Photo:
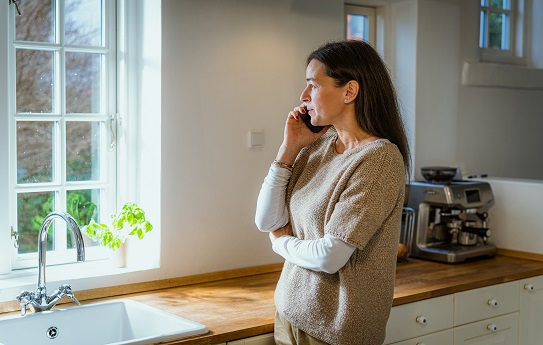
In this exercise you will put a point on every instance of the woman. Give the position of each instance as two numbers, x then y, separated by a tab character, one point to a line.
332	201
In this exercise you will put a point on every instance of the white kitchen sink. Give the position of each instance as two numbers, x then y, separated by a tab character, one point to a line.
115	322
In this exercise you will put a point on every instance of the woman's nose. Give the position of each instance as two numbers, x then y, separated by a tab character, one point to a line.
304	97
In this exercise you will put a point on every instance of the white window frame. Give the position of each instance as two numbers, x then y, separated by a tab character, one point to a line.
139	164
518	39
368	12
6	243
108	121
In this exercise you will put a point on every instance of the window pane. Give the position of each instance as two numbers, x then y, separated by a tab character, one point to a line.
357	27
37	22
83	206
83	82
31	210
82	151
482	32
34	152
505	31
500	4
83	22
497	38
34	71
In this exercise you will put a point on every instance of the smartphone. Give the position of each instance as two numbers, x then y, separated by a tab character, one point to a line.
306	118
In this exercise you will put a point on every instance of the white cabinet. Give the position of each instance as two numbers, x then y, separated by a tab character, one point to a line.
264	339
486	302
418	318
531	311
488	315
501	330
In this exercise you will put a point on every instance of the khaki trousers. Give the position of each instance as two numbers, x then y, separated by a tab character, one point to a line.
286	333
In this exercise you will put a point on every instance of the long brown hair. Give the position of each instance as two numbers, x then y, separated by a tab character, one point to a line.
376	105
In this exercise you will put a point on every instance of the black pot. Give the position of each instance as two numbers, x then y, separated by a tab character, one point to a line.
438	174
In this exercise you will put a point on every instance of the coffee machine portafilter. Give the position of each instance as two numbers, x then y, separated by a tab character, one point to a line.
451	220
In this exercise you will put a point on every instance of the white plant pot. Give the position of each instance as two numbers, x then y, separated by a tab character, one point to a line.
118	257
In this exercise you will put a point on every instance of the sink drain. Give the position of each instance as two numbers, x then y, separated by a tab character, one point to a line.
52	332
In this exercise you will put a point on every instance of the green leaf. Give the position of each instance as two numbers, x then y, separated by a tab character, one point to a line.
131	219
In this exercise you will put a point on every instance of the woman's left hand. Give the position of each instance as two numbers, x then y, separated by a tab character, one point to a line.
286	230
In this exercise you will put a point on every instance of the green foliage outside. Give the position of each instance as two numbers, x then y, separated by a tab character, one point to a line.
32	208
495	33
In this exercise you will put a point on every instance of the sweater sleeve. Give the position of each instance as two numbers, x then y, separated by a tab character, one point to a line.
369	198
328	254
271	209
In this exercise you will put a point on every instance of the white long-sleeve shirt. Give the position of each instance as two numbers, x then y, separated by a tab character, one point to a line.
328	254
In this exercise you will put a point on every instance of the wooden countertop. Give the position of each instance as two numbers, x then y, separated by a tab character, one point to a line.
243	307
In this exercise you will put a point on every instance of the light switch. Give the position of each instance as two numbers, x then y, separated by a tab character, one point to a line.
256	139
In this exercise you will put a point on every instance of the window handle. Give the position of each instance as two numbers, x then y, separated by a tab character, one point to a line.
15	236
16	6
112	126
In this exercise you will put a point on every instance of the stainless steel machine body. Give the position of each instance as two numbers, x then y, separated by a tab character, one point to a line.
451	220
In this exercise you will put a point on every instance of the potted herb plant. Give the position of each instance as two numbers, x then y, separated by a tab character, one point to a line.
129	222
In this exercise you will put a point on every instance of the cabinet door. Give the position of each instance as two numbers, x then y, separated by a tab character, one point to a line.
531	311
418	318
438	338
264	339
483	303
501	330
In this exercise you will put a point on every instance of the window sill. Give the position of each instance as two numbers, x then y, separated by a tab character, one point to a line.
82	276
501	76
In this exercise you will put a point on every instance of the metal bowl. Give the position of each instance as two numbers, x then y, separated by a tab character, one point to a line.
438	174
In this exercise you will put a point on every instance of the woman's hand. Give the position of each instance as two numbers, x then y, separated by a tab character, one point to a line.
286	230
296	136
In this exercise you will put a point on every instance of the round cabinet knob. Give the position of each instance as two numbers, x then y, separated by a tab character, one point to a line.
492	328
493	303
529	287
421	320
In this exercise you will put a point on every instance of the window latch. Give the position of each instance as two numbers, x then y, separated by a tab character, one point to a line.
113	122
15	236
16	6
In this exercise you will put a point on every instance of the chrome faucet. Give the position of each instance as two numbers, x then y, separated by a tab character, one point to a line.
39	301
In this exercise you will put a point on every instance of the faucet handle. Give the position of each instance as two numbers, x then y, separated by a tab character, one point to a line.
24	299
66	290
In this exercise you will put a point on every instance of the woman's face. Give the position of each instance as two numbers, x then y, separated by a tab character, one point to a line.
323	99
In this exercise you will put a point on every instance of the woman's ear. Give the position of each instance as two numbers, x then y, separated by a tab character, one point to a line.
351	91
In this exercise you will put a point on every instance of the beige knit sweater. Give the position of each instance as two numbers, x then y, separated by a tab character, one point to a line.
357	197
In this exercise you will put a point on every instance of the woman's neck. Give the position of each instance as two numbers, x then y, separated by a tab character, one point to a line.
348	139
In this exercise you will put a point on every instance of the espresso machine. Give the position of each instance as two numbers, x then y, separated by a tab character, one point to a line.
450	220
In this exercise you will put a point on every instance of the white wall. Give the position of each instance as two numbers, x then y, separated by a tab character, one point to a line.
403	24
228	67
499	128
482	129
438	76
515	218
